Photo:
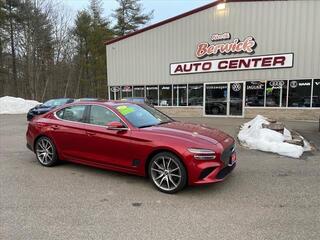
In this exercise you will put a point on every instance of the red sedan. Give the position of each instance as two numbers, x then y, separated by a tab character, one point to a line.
133	138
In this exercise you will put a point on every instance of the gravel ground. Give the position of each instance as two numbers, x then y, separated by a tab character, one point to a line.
266	197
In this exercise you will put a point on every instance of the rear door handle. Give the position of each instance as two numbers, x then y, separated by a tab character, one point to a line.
90	133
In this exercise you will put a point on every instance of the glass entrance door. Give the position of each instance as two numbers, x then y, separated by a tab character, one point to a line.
236	99
216	99
224	99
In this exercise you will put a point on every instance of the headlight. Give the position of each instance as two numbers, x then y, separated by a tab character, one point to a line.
202	154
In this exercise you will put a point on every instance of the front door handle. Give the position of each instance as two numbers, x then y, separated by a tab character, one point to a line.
90	133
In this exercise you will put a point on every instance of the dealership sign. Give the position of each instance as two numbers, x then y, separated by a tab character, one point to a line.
205	49
284	60
222	44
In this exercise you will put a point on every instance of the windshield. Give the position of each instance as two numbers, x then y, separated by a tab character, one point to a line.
142	115
55	102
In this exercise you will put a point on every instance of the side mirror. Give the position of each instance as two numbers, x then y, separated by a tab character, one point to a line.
116	126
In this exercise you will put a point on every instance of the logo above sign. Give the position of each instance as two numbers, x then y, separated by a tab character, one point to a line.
205	49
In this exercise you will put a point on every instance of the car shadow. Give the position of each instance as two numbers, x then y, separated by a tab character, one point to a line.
84	170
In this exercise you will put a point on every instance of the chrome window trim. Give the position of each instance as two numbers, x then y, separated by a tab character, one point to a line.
90	124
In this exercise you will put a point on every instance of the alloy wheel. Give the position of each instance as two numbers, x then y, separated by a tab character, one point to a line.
166	173
45	151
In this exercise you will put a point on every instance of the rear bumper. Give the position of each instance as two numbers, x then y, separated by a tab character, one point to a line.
29	147
30	116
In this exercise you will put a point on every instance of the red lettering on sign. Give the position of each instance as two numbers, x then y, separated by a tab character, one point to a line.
223	65
233	64
236	46
266	62
178	69
196	65
202	49
206	66
248	44
244	63
187	69
279	60
255	61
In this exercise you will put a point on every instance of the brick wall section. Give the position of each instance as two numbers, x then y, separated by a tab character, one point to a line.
279	114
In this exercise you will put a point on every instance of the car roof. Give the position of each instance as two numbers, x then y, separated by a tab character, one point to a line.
105	102
133	98
59	99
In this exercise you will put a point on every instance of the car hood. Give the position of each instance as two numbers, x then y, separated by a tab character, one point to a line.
190	130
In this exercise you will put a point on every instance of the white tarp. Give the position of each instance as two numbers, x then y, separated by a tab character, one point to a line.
13	105
253	136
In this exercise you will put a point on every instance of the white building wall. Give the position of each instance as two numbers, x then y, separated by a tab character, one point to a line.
277	26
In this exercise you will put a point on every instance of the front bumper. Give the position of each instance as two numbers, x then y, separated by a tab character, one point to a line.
216	174
205	172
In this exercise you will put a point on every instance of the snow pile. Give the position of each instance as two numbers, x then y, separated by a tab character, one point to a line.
12	105
254	136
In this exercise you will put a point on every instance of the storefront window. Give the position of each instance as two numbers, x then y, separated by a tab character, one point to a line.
299	93
165	95
195	94
180	95
126	91
216	99
316	93
275	92
138	91
152	94
115	93
255	93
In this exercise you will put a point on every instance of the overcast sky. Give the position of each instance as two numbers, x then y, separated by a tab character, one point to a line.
163	9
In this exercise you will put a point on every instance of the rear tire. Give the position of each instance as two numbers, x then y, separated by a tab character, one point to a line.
167	172
46	152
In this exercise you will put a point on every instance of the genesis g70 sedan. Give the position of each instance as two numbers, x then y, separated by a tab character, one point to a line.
133	138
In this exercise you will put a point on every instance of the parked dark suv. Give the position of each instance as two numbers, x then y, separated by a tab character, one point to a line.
47	106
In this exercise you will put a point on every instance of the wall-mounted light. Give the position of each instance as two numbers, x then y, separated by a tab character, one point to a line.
221	6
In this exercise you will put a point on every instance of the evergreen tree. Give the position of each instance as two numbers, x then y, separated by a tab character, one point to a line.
91	30
129	17
9	11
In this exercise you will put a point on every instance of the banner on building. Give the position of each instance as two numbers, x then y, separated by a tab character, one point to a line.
284	60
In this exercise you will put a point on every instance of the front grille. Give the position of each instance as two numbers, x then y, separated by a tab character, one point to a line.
225	156
225	171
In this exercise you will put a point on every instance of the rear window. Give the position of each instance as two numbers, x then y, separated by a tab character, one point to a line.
72	113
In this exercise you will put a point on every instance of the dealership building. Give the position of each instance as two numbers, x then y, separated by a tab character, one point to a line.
228	58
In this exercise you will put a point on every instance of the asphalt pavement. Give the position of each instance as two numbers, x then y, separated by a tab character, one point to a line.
266	197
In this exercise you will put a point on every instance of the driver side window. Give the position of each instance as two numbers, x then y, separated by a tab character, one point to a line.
102	116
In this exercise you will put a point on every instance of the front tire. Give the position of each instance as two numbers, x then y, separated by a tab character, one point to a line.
167	172
46	152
